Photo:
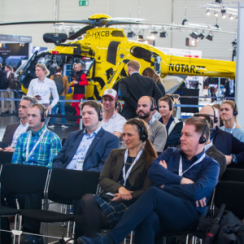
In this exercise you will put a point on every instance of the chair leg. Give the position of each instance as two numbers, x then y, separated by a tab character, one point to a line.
15	227
131	236
68	227
164	240
187	239
20	224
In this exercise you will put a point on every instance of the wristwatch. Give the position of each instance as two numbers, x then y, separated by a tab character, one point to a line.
234	160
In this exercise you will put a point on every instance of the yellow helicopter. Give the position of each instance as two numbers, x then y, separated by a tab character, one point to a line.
106	50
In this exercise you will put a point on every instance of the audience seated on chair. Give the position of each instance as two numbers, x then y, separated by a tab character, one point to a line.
13	131
39	146
228	114
112	121
157	132
225	142
87	149
184	181
211	150
125	175
173	125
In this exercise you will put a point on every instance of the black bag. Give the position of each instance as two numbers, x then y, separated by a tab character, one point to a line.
228	229
58	79
15	85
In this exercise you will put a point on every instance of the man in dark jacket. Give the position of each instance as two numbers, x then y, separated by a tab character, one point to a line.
134	87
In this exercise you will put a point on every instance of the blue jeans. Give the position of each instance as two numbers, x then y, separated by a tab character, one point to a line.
62	110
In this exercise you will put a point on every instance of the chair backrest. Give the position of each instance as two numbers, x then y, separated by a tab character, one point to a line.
68	185
233	175
25	179
6	157
231	194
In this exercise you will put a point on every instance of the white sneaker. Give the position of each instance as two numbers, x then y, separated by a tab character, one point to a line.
64	126
51	126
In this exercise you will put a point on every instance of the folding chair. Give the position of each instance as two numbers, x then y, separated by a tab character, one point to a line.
22	179
64	187
5	157
233	175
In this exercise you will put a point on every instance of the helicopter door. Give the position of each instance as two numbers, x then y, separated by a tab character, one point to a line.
157	65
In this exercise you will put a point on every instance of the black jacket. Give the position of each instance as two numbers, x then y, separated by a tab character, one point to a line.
227	144
132	88
161	87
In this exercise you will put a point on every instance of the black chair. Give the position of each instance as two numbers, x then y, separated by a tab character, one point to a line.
63	141
22	179
231	194
65	186
233	175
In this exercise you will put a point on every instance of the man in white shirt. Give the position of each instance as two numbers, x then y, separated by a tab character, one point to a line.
157	131
112	121
13	131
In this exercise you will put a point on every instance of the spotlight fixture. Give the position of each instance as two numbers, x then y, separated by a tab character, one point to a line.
223	12
184	21
217	26
154	32
201	35
218	1
216	14
130	34
4	46
163	34
140	38
208	12
231	17
210	36
151	37
234	43
21	44
194	35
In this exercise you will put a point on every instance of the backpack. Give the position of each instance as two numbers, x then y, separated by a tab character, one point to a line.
58	79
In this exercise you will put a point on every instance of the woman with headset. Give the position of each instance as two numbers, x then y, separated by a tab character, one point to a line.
123	180
173	125
228	113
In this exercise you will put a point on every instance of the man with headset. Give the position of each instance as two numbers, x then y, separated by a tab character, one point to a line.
89	148
39	146
225	142
157	132
184	181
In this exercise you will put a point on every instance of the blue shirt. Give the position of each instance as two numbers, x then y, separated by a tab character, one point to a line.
83	148
171	119
44	153
204	175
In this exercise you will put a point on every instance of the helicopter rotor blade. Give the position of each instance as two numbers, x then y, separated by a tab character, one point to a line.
89	22
119	22
80	32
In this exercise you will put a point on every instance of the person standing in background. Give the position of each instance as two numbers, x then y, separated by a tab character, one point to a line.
62	85
41	88
79	82
148	72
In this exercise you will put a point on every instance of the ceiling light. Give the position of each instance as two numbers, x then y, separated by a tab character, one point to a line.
208	12
216	14
152	37
217	26
218	1
223	12
163	34
1	44
154	32
139	37
210	36
201	35
194	35
231	17
130	34
184	21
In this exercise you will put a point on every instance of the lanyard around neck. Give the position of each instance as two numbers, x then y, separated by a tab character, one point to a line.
181	167
126	176
28	144
232	129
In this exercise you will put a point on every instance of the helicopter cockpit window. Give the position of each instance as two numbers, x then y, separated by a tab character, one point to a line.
88	62
117	33
141	53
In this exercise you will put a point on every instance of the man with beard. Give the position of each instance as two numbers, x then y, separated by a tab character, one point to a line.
79	84
157	132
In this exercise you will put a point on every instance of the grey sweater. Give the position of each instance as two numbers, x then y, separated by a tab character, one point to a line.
158	135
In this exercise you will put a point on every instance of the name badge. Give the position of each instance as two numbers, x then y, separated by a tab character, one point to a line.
79	164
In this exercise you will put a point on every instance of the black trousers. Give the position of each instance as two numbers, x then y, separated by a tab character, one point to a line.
156	211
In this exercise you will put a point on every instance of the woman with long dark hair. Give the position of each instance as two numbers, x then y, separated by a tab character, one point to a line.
148	72
124	175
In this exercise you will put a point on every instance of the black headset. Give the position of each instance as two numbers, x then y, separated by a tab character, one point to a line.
235	112
202	139
154	104
43	114
215	118
171	101
143	135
